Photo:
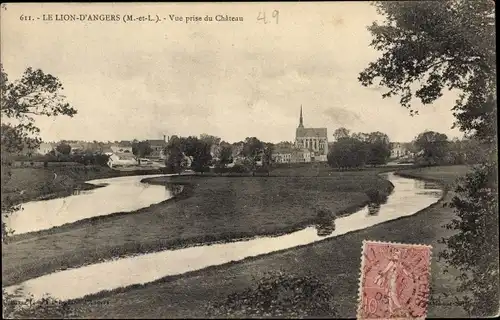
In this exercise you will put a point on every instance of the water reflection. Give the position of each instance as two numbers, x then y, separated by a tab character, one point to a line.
377	199
325	222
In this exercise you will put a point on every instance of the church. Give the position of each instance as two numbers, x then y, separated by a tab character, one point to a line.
313	139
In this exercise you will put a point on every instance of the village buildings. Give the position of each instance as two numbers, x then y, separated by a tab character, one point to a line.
311	145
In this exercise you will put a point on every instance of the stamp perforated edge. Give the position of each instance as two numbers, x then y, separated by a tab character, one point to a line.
362	267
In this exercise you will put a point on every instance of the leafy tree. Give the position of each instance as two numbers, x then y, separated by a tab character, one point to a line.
267	157
35	94
141	149
437	45
201	156
211	140
474	250
63	148
341	133
252	150
175	156
347	153
225	156
434	147
378	148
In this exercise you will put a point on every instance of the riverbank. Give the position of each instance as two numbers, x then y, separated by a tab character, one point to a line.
32	184
211	210
335	261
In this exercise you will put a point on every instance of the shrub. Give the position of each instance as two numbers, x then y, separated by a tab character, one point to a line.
278	295
238	168
47	307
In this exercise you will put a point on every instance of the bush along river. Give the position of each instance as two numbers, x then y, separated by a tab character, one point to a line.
408	197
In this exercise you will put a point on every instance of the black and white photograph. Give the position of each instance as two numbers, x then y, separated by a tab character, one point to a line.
249	160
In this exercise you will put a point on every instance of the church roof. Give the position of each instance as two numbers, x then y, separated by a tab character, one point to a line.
312	132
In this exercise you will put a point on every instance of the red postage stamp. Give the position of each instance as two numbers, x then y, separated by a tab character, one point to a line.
394	282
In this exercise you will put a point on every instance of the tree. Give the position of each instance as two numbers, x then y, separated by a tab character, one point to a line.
225	156
141	149
347	153
35	94
378	148
201	156
433	147
63	148
175	156
252	150
341	133
267	157
437	45
211	140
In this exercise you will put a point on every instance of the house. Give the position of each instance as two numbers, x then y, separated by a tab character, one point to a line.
282	155
122	160
400	150
76	147
301	156
158	148
107	150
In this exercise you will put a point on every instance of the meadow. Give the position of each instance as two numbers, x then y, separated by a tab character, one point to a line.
209	209
335	262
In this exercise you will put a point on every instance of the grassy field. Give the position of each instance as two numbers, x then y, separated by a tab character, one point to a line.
335	261
210	209
446	174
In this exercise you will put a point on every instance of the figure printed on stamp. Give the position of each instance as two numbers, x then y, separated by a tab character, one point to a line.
392	280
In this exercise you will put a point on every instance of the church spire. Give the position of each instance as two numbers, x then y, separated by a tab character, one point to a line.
301	123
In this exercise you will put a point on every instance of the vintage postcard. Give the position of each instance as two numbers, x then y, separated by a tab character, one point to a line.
248	160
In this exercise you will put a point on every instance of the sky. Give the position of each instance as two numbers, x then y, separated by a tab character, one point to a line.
233	79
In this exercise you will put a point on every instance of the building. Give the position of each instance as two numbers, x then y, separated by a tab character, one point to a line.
282	155
122	160
400	150
158	148
291	155
313	139
301	156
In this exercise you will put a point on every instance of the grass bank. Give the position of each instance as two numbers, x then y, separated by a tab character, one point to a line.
210	210
29	184
335	261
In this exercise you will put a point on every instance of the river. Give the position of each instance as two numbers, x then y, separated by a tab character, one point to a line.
408	197
122	194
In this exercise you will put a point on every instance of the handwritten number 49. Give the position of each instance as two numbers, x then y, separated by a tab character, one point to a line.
262	16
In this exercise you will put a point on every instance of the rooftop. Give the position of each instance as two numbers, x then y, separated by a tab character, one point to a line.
312	132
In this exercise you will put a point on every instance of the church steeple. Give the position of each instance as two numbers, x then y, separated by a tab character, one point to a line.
301	122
